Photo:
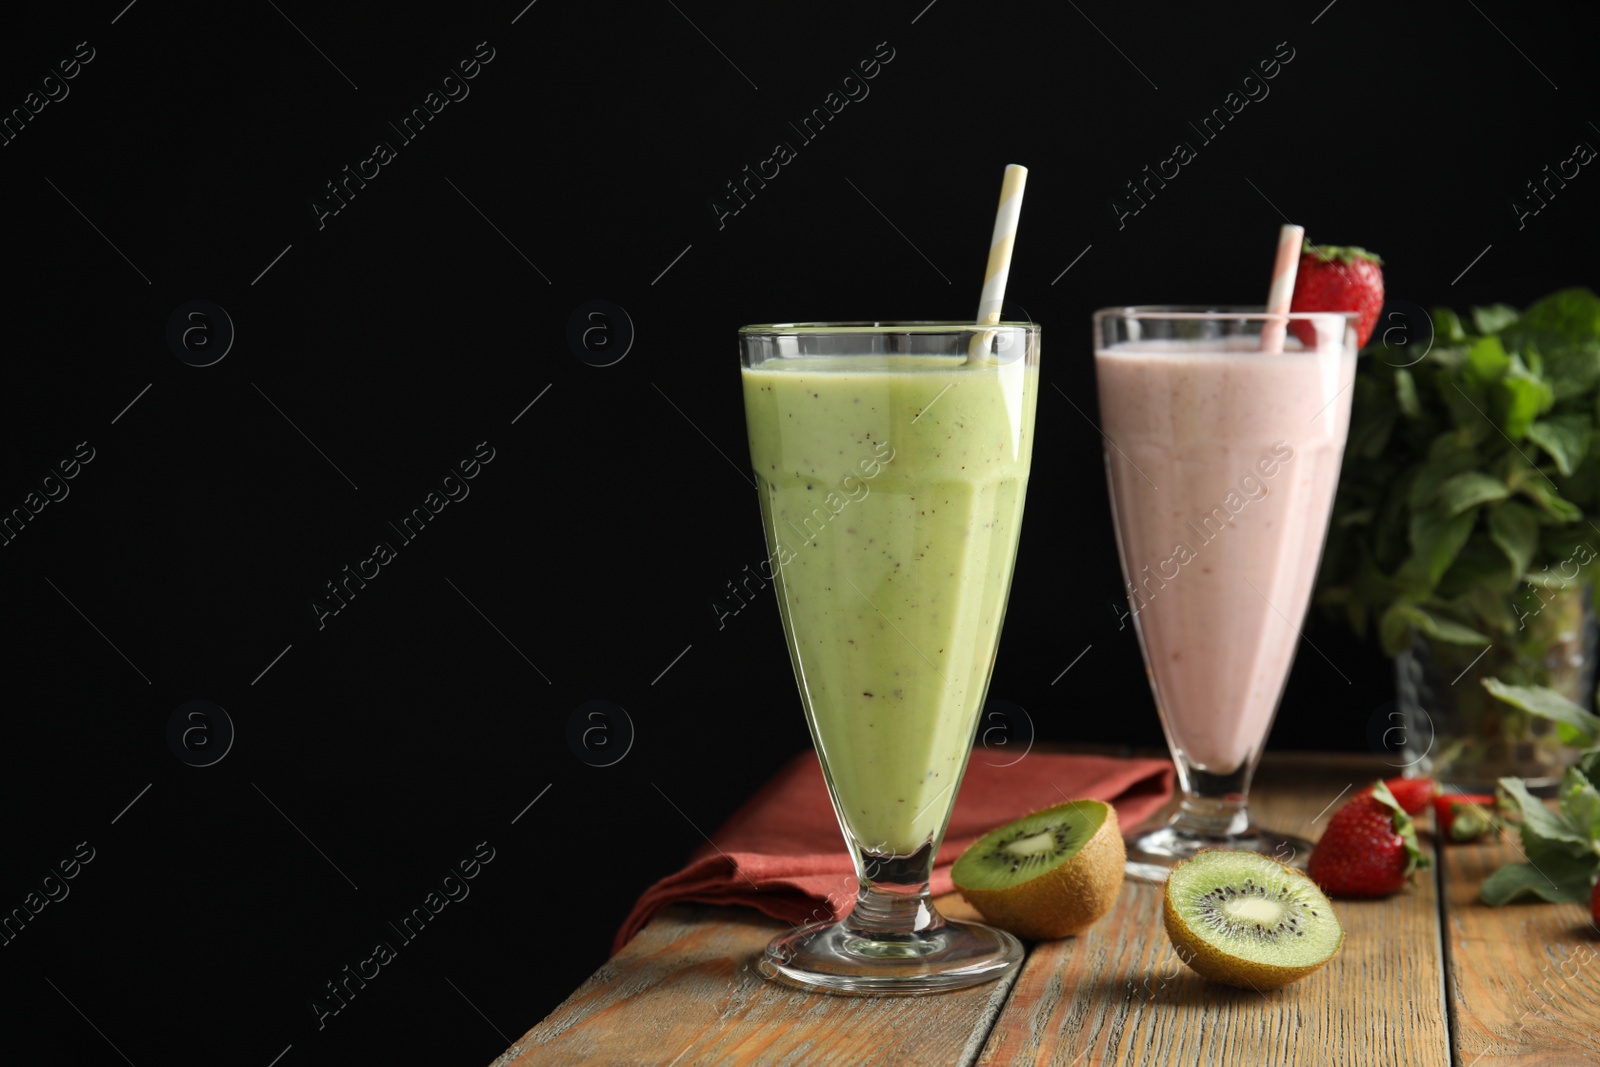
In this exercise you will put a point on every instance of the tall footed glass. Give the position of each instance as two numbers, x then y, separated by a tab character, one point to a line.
892	460
1222	460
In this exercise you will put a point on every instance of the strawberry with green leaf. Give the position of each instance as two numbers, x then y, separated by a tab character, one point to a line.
1412	794
1369	848
1461	817
1338	279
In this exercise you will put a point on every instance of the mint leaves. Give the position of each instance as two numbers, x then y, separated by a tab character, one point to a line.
1464	513
1578	726
1562	847
1469	475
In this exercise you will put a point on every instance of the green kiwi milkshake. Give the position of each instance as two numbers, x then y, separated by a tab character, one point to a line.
892	469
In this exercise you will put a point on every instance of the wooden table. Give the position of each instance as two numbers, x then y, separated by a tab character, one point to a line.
1430	976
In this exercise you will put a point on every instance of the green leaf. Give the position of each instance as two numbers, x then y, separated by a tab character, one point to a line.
1580	803
1589	764
1515	528
1346	254
1536	486
1405	394
1442	629
1490	606
1571	867
1547	704
1403	619
1565	861
1390	544
1516	880
1450	357
1449	454
1545	578
1572	547
1564	328
1570	314
1435	541
1582	486
1447	326
1471	822
1468	490
1538	820
1487	361
1571	370
1372	415
1371	585
1395	632
1468	404
1565	437
1494	318
1520	398
1416	859
1547	498
1480	565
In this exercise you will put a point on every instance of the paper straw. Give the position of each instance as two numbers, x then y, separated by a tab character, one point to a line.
1005	234
999	269
1284	269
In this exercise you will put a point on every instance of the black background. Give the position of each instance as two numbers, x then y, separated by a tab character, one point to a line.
382	747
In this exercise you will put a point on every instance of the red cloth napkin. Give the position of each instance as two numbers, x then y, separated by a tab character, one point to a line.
782	852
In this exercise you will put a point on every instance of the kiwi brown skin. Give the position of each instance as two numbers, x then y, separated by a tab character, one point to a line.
1065	900
1210	962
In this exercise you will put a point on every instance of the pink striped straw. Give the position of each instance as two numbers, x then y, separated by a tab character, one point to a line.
1284	269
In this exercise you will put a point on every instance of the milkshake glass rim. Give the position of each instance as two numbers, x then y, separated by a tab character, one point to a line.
883	326
1212	311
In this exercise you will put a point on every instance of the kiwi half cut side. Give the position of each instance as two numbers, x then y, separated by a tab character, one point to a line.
1049	874
1246	920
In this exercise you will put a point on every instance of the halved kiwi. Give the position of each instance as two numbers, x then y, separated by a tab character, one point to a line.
1049	874
1246	920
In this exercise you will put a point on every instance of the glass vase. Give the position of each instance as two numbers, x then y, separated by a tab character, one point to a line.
1457	732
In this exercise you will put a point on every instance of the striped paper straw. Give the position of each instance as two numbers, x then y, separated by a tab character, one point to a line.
1284	268
1005	234
999	269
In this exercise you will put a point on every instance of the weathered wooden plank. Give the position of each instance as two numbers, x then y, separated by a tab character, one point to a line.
1525	978
1118	994
686	991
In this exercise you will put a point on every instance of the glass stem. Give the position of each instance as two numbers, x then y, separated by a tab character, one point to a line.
1214	805
893	897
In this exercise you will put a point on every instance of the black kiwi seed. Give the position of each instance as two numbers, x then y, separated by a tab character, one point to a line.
1212	915
1061	837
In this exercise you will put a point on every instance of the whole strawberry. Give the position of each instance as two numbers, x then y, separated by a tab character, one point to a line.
1464	816
1338	279
1412	794
1369	848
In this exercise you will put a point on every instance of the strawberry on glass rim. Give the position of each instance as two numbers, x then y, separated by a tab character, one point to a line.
1338	279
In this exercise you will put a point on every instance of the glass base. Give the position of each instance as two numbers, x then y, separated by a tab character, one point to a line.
1153	854
833	958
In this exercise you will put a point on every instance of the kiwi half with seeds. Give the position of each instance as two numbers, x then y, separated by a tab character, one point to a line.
1247	920
1049	874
